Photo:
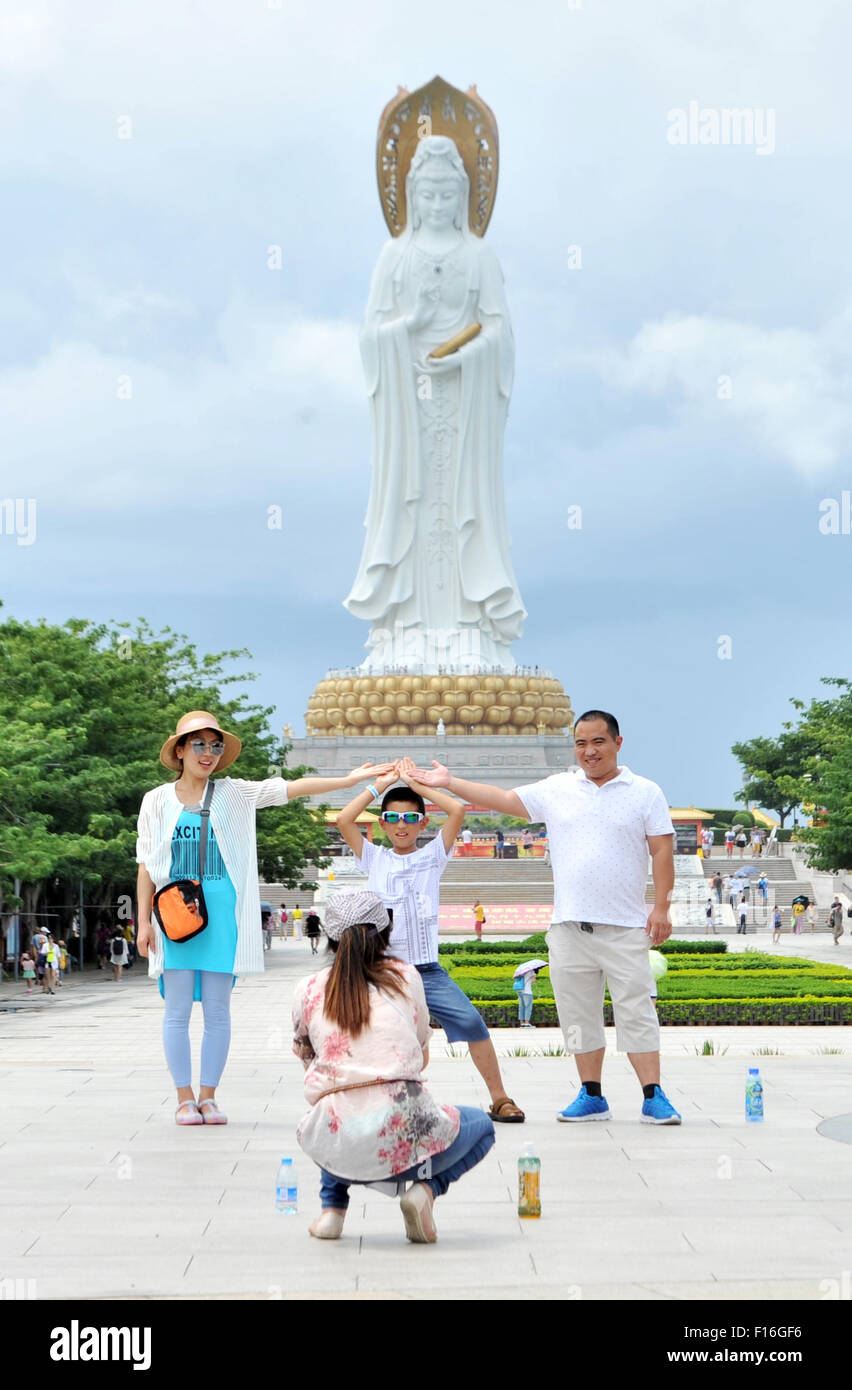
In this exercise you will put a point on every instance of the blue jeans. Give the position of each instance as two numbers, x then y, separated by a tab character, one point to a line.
525	1003
450	1006
474	1139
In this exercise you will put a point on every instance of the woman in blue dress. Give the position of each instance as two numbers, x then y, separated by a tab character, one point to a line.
206	966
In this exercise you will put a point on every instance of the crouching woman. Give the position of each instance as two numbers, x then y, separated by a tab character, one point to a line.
361	1029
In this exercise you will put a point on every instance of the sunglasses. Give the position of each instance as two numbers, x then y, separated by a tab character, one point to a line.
199	747
408	817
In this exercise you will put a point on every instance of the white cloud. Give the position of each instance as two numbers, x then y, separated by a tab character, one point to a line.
790	389
70	436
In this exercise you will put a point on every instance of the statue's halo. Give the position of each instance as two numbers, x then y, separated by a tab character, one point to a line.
437	109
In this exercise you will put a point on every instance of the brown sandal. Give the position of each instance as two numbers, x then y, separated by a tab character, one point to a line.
507	1111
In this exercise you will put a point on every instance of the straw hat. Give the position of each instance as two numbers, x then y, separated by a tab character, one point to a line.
193	723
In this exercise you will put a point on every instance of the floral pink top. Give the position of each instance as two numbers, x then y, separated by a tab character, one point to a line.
377	1131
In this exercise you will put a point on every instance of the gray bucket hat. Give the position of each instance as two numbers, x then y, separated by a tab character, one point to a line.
352	907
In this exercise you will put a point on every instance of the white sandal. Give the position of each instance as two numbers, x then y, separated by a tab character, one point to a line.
192	1117
216	1117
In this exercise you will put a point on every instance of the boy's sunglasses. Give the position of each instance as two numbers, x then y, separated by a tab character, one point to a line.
199	747
409	817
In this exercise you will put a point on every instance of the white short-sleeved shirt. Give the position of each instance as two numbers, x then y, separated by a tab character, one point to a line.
410	884
598	843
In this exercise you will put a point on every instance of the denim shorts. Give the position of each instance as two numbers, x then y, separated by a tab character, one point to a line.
452	1009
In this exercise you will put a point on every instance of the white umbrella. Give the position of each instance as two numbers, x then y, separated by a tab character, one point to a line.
529	965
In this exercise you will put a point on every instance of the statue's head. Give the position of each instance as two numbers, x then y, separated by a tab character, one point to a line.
437	186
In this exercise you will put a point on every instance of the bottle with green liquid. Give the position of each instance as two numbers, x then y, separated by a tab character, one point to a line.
529	1183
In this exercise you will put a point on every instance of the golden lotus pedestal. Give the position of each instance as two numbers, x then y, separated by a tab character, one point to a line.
468	705
506	729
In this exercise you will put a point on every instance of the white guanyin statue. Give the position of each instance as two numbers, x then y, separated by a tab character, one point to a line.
436	580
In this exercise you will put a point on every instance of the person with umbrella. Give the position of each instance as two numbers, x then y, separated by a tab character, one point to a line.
524	978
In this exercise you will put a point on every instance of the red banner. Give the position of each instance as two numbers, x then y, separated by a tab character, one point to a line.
525	917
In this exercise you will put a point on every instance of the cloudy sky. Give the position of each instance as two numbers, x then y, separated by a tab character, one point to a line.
687	385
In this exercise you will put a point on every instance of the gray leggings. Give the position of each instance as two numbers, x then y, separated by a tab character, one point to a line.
178	988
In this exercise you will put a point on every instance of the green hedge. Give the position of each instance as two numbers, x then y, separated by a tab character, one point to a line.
751	985
692	1012
687	988
536	945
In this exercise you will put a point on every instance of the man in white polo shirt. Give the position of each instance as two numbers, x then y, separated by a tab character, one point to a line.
602	821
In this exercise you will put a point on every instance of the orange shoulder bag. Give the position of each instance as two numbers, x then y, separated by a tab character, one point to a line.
179	907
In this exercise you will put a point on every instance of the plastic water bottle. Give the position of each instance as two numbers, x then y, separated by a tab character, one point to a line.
754	1095
287	1188
529	1183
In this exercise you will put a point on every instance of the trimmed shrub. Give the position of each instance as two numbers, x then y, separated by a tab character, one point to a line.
715	946
811	1010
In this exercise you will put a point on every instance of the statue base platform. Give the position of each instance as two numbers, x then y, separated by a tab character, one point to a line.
506	760
479	704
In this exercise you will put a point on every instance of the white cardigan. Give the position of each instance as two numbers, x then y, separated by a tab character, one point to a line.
232	819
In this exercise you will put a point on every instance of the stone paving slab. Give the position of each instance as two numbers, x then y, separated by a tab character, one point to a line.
140	1208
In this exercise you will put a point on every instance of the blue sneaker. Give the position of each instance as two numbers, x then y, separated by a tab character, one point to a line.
659	1110
585	1107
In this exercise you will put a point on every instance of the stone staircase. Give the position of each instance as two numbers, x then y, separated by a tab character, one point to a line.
530	880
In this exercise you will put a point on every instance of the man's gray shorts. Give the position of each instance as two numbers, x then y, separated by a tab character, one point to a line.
584	958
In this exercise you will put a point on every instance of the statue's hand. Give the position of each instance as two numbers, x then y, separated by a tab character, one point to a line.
428	298
439	366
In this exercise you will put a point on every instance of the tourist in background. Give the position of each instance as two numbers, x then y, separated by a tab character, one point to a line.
313	930
718	884
28	969
478	918
812	916
741	841
525	998
118	952
776	926
730	836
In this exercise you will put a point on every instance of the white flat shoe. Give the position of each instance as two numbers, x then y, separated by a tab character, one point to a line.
416	1208
328	1225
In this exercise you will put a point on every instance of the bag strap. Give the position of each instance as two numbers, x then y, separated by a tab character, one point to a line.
205	821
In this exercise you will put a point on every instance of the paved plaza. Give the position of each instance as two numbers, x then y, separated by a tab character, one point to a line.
103	1196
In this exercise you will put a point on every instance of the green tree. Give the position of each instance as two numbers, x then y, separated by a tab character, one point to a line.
85	710
827	782
773	769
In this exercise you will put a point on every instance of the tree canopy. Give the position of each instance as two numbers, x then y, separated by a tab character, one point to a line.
86	708
809	764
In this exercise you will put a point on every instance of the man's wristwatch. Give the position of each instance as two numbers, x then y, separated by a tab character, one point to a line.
370	788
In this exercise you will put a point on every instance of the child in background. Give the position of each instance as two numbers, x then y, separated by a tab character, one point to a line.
28	967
